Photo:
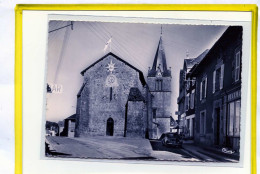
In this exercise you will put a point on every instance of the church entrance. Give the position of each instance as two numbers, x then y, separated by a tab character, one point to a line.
110	126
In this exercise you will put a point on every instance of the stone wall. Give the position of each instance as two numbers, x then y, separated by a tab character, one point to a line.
96	104
136	120
161	101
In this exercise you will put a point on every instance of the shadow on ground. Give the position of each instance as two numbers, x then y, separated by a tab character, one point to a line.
157	146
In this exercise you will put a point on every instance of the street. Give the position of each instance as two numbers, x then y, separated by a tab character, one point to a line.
179	153
114	148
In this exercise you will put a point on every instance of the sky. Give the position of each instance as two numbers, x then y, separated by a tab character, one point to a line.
72	50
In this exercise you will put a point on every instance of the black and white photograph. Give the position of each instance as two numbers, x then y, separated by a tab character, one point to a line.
143	91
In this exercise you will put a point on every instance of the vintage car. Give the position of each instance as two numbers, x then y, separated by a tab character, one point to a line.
171	139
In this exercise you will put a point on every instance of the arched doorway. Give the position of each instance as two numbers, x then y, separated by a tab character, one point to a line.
110	126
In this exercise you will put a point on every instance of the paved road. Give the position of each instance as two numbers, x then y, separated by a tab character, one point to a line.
171	153
116	148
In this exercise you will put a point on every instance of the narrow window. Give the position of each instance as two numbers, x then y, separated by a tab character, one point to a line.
203	88
187	101
202	122
158	85
188	84
221	77
192	98
111	93
217	80
154	112
218	77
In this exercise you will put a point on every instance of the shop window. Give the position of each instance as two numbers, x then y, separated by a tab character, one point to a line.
234	118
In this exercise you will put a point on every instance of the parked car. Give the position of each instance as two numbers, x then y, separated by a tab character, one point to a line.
172	139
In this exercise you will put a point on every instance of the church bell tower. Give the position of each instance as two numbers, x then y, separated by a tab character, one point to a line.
159	82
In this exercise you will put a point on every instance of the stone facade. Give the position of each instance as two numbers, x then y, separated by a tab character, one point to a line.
105	94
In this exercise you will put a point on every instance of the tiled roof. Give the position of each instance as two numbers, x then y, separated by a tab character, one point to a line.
192	61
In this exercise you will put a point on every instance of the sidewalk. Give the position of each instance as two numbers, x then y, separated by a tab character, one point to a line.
210	154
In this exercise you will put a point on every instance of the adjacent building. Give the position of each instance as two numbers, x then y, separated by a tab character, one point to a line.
69	126
218	92
186	100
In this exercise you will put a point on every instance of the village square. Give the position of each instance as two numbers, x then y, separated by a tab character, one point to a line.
122	112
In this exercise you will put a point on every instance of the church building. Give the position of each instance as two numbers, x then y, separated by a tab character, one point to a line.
116	100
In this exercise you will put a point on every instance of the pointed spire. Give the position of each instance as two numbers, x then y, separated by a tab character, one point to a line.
159	63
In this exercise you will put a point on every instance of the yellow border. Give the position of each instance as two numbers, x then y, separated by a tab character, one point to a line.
162	7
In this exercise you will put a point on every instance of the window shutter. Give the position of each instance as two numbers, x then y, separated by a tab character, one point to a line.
206	87
222	76
200	90
214	81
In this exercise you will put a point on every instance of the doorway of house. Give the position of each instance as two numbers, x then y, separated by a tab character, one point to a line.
217	132
110	126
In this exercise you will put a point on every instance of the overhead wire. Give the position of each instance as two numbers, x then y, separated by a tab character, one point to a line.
122	45
115	43
103	38
140	49
63	48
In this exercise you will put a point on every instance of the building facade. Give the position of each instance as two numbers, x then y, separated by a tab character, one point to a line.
116	100
218	92
68	129
186	100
